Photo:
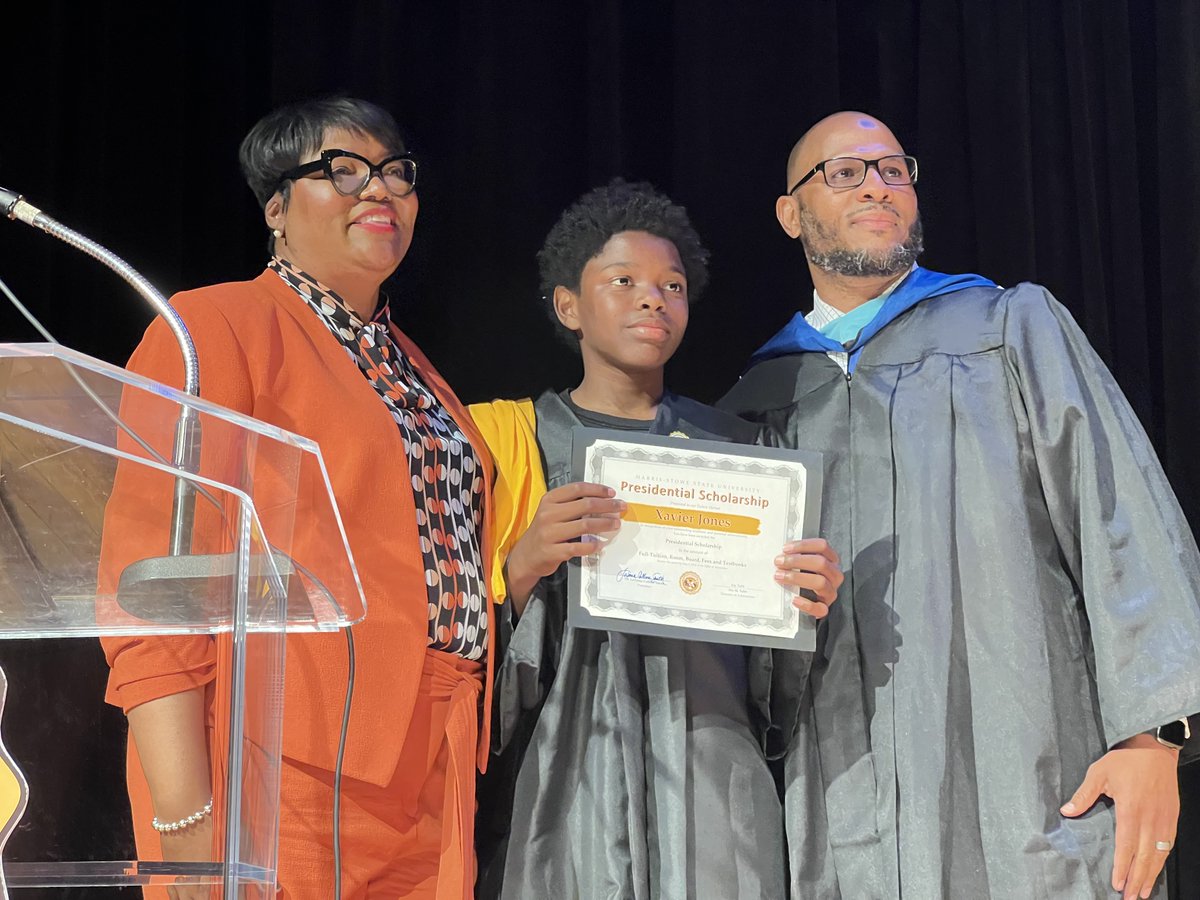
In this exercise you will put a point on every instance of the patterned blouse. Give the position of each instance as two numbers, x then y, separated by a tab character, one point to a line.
447	485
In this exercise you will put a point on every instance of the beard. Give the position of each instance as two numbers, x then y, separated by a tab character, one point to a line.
823	250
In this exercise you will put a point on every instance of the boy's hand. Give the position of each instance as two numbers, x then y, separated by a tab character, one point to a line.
561	529
812	566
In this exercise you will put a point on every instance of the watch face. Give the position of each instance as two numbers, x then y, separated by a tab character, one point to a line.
1173	733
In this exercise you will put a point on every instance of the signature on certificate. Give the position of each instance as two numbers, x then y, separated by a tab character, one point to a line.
640	577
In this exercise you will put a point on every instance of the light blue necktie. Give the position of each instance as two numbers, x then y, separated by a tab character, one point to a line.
845	329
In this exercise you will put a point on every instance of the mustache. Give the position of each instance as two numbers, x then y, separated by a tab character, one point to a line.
875	207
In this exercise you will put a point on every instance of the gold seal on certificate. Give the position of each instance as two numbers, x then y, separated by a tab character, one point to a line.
694	557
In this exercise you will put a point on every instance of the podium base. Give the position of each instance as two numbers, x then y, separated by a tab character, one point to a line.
120	873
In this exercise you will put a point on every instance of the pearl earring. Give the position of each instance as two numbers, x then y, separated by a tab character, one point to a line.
277	233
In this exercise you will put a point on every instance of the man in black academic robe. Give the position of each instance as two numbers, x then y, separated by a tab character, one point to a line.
1019	618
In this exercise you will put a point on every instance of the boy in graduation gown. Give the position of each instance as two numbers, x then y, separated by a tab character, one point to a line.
635	766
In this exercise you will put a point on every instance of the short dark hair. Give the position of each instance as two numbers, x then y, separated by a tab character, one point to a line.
587	225
284	136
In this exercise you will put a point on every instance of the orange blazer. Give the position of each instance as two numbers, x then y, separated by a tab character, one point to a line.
264	353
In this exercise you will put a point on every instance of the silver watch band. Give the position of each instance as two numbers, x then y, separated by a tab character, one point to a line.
1187	734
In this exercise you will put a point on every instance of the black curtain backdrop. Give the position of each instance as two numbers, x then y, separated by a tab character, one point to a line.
1059	142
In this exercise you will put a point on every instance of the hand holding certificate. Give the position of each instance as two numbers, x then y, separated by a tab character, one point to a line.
570	522
700	539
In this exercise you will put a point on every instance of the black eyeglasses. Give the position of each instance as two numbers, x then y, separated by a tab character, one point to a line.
350	173
850	171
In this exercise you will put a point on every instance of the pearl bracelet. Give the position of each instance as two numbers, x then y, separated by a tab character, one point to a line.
185	822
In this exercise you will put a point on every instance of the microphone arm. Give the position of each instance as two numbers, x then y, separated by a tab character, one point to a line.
185	453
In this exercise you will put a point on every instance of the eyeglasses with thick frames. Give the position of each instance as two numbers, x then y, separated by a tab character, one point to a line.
350	173
851	171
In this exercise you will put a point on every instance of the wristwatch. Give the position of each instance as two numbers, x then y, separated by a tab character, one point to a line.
1174	734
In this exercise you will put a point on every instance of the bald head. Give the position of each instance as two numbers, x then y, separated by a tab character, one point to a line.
846	133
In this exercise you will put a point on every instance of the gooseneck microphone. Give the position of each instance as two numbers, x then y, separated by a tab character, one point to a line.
185	453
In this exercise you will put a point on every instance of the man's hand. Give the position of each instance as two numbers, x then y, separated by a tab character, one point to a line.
1140	775
566	514
810	565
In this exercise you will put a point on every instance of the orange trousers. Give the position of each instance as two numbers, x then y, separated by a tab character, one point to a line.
412	838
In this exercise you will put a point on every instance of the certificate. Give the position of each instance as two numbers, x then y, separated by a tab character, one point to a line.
694	557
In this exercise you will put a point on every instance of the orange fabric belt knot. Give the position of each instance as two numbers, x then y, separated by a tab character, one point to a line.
461	681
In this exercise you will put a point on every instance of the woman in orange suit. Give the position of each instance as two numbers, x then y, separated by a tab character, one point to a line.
309	345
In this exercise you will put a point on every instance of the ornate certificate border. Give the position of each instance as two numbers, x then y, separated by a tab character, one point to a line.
671	620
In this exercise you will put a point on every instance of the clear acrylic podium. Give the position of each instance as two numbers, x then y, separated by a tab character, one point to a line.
86	495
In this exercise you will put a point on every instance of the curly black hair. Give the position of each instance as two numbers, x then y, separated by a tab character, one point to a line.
586	226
